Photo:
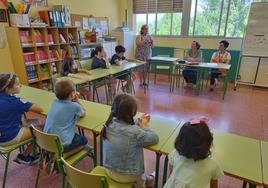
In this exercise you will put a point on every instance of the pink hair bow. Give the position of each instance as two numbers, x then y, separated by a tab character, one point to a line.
198	120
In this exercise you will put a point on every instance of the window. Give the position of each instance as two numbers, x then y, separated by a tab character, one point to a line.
164	17
226	18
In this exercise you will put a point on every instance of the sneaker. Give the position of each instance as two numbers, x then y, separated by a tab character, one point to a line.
21	159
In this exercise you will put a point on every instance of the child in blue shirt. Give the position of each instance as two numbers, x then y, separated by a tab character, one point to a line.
99	58
124	141
11	110
62	117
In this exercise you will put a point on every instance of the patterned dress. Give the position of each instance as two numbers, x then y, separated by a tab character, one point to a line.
144	52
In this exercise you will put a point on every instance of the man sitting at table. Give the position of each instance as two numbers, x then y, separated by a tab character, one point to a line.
193	55
221	56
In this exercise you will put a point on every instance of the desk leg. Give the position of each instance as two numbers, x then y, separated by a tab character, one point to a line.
165	171
157	164
95	135
109	97
197	89
101	152
225	85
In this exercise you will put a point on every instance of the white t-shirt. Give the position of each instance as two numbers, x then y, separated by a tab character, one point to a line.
188	173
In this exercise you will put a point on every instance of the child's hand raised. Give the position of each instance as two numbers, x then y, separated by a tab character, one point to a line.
144	120
76	96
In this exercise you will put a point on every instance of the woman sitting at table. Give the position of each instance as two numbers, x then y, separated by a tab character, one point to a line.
221	56
192	55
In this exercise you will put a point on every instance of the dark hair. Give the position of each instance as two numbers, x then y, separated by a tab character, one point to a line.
66	66
96	51
225	43
7	80
64	88
194	141
124	108
119	49
198	45
142	27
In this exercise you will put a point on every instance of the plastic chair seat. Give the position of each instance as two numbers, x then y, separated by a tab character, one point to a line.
112	184
10	148
75	158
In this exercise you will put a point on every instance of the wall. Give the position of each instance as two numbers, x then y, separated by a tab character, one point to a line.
107	8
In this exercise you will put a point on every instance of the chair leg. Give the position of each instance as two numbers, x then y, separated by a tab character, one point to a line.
6	169
64	182
97	96
37	177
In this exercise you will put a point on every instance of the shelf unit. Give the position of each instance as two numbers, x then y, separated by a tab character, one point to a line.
37	52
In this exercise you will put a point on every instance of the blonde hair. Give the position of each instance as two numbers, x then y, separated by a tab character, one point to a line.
143	27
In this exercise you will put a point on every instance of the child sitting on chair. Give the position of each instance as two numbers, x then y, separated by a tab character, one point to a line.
190	162
12	108
63	115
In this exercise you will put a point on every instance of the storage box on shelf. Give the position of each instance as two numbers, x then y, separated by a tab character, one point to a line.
38	52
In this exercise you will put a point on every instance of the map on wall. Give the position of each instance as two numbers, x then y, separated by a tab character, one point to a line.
37	3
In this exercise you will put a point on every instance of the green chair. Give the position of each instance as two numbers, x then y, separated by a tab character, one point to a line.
51	143
5	152
97	178
87	64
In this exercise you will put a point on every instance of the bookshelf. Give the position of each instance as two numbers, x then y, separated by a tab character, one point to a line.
37	52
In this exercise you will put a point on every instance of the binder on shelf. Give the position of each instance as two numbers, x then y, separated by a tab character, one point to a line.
42	56
62	39
29	58
50	39
25	38
44	15
52	19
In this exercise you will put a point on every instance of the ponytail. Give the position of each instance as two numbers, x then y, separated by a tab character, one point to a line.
106	125
96	51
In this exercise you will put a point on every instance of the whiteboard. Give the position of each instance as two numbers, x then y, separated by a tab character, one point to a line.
256	38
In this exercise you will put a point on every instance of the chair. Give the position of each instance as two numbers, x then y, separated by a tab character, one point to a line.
51	143
97	178
5	153
87	64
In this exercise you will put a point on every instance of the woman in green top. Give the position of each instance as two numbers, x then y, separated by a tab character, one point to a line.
192	55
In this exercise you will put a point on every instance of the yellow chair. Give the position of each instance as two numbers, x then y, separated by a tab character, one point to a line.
51	143
5	153
97	178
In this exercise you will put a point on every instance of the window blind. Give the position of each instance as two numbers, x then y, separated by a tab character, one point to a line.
154	6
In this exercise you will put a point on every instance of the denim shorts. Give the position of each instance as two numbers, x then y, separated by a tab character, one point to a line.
77	141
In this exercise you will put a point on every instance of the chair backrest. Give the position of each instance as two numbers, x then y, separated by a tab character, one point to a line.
78	178
86	64
48	142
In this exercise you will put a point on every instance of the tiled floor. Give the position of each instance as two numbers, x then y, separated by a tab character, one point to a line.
243	112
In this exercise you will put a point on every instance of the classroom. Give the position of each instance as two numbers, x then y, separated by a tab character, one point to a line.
134	93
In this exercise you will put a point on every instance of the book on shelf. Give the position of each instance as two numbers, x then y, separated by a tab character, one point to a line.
74	51
71	38
54	55
50	39
62	39
25	38
39	38
31	73
42	56
63	53
29	58
53	67
44	71
45	86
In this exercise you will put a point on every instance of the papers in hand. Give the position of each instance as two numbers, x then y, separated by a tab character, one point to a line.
191	63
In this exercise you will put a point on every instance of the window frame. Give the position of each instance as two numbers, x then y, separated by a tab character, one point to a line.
186	20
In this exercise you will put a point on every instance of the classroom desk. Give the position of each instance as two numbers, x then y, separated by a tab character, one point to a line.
163	61
96	114
238	156
162	126
264	151
201	69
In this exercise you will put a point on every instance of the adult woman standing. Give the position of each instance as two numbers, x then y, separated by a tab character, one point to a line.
192	55
144	45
